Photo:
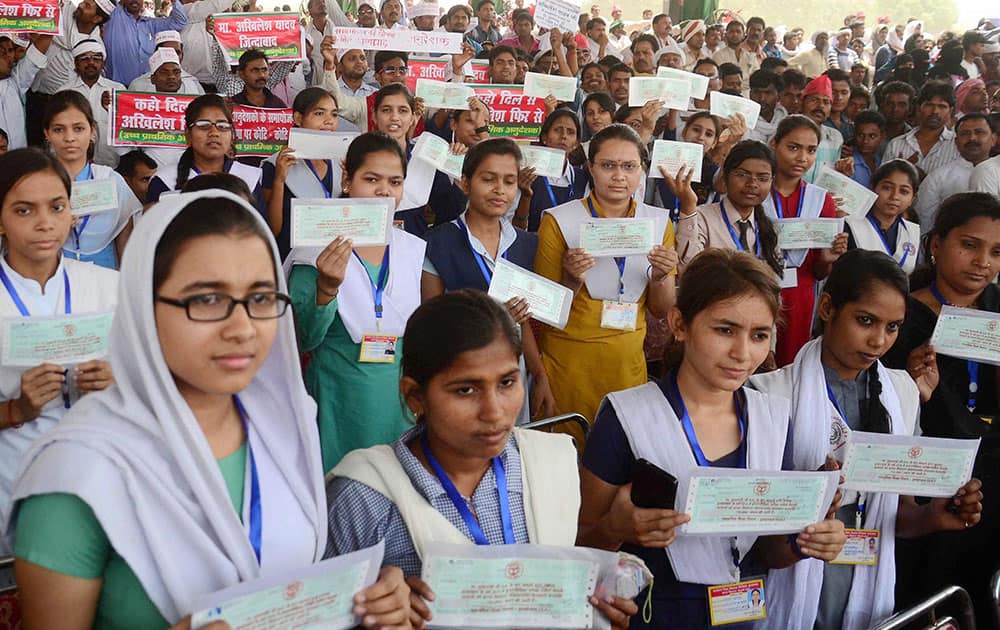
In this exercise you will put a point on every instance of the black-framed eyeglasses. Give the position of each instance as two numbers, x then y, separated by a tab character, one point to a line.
205	125
215	307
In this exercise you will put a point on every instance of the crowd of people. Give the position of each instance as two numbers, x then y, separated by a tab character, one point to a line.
264	406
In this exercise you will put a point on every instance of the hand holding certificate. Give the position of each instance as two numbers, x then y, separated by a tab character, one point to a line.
900	464
672	93
547	162
63	340
310	144
673	155
541	85
858	199
726	105
604	238
699	82
436	151
93	195
967	333
729	502
317	596
549	301
808	233
443	95
316	222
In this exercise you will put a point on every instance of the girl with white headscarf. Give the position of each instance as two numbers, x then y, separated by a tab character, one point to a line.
200	468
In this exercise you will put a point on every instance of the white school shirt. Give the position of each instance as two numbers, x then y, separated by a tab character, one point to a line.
940	184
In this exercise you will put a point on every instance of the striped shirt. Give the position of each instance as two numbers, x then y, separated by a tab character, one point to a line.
943	151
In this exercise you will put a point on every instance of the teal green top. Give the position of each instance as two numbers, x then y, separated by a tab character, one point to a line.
359	404
61	533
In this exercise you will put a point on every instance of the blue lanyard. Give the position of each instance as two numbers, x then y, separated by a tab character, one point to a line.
463	509
972	366
692	437
84	175
665	194
619	260
860	517
780	206
67	300
552	194
734	235
889	249
378	289
322	180
480	259
256	521
833	399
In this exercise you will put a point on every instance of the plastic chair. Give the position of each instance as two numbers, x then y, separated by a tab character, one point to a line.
925	615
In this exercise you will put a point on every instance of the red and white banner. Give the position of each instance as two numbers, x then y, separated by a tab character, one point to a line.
278	35
512	114
33	16
261	131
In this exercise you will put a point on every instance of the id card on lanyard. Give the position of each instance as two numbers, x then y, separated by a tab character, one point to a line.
790	277
971	366
86	174
735	236
255	527
890	248
376	347
620	315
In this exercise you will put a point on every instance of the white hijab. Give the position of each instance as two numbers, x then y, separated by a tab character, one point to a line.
137	456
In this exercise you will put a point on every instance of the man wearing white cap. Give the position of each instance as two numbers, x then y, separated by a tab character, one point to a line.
693	36
323	17
352	66
670	56
129	38
14	83
165	71
424	15
189	83
75	25
841	55
87	79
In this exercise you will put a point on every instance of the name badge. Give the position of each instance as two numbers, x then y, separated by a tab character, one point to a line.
619	315
378	349
790	279
736	602
840	433
861	547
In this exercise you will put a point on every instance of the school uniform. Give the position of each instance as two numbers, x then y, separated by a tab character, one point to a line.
798	293
301	182
658	193
718	226
549	192
812	593
75	288
92	239
356	388
165	179
645	422
131	469
901	241
462	262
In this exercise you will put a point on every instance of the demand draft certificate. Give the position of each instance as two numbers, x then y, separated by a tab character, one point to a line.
93	195
475	588
317	597
808	233
857	199
63	340
729	502
968	334
602	238
549	301
317	222
900	464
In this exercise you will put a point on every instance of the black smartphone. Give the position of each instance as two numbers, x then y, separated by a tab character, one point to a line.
652	487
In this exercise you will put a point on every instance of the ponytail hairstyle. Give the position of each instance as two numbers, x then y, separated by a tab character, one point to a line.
856	274
191	115
71	99
954	212
716	275
766	232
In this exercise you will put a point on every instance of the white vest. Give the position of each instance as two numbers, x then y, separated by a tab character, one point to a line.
249	174
303	182
907	240
549	477
104	227
812	206
602	279
655	434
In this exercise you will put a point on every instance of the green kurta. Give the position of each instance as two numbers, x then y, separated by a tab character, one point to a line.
61	533
359	403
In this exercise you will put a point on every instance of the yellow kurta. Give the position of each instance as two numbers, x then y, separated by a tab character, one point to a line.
584	361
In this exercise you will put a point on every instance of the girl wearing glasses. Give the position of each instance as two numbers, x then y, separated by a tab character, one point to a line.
200	468
738	221
71	131
351	305
38	280
286	177
795	145
600	349
460	379
884	229
463	254
209	123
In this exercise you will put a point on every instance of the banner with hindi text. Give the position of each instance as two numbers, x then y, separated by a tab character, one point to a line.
261	131
404	40
278	35
512	114
31	16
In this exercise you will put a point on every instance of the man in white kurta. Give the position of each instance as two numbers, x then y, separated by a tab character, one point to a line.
87	79
14	83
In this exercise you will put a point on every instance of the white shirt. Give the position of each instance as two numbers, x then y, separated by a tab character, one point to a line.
986	177
939	185
103	153
12	91
316	37
40	301
943	151
363	90
60	67
197	41
971	68
189	83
